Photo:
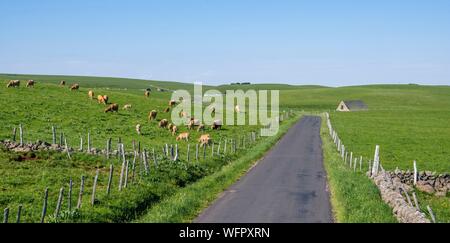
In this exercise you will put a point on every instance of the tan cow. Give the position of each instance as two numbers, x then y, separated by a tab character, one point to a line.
75	87
163	123
174	130
30	83
63	83
102	99
152	115
147	94
91	94
112	108
138	129
183	136
13	83
205	140
127	107
193	123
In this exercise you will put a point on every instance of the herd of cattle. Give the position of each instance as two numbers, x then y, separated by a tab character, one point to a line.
193	124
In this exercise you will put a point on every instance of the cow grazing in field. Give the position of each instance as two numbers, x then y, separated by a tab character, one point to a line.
138	129
75	87
205	140
174	130
102	99
13	84
112	108
127	107
183	136
201	128
217	125
163	123
167	110
30	83
91	94
147	94
193	123
172	103
152	115
62	83
170	126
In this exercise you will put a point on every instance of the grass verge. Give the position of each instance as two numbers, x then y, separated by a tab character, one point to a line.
354	197
185	205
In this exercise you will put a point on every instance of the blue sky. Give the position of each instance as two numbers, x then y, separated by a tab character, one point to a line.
330	42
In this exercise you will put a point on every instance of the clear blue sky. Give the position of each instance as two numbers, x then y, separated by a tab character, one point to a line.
218	41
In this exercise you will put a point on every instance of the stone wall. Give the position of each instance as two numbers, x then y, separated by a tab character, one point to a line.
427	181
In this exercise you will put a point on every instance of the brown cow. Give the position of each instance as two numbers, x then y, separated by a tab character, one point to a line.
172	103
112	108
30	83
91	94
152	115
75	87
163	123
183	136
217	125
170	126
13	83
147	94
63	83
205	140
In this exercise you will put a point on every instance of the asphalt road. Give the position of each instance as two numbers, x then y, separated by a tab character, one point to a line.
287	186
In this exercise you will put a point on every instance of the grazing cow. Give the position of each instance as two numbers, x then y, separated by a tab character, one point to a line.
102	99
193	123
152	115
183	136
174	130
112	108
172	103
201	128
138	129
205	140
127	107
163	123
63	83
147	93
217	125
91	94
167	110
170	126
75	87
237	109
30	83
13	83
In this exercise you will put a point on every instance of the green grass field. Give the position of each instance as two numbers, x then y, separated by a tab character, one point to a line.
409	122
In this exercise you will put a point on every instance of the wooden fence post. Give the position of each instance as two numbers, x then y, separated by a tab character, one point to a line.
376	161
155	160
144	157
89	142
415	173
59	202
218	148
5	215
44	207
67	149
14	134
69	201
126	174
122	171
110	178
21	134
133	166
176	153
80	195
360	164
94	187
19	213
81	143
351	159
433	218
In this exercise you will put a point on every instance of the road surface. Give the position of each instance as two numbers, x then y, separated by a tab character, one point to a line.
287	186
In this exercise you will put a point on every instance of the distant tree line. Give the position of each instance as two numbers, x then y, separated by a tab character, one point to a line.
245	83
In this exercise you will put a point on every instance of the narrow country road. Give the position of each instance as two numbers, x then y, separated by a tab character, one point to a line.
287	186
